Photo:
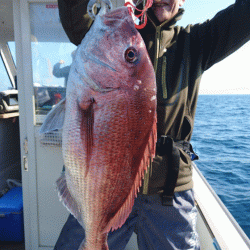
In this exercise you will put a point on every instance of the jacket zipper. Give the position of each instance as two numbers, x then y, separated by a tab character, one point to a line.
163	78
157	44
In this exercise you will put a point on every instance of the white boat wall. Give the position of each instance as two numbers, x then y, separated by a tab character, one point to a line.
224	230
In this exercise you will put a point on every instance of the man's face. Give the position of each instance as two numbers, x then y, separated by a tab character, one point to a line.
166	9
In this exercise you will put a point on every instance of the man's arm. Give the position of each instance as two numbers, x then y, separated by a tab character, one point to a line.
75	19
219	37
60	72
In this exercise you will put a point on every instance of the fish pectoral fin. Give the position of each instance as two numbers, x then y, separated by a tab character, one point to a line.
67	199
54	119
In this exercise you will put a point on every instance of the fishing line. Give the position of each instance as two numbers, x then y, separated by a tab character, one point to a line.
142	16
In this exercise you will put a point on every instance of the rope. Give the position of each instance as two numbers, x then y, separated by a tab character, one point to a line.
142	16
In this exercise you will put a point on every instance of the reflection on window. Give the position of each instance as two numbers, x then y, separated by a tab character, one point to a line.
5	82
51	63
52	55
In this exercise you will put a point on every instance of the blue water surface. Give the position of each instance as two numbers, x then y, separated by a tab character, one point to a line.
221	138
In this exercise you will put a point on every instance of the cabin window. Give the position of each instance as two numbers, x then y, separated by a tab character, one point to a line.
52	55
5	82
12	47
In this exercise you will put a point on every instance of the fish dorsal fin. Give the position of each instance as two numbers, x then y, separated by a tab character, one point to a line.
67	199
54	119
122	214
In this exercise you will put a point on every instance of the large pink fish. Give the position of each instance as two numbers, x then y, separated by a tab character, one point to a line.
109	129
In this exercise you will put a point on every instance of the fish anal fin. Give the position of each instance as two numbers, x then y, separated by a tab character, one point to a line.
122	214
54	119
67	199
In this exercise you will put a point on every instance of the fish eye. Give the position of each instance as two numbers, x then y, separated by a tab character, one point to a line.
131	55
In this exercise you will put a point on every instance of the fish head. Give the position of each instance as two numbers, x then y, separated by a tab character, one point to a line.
113	54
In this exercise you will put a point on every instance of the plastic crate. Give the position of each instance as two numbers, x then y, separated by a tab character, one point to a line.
11	216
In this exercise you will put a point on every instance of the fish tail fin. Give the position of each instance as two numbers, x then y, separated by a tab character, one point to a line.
85	246
82	246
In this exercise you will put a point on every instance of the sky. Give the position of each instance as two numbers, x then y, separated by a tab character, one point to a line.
230	76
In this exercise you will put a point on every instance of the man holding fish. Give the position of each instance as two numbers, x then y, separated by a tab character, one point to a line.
164	213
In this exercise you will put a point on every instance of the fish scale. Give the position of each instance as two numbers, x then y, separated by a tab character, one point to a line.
109	126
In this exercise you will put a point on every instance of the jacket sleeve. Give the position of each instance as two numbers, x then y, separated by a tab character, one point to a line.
60	72
219	37
75	19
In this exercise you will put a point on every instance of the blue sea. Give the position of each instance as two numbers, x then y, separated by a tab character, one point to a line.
221	138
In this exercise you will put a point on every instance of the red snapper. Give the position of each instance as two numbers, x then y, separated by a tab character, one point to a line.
109	126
